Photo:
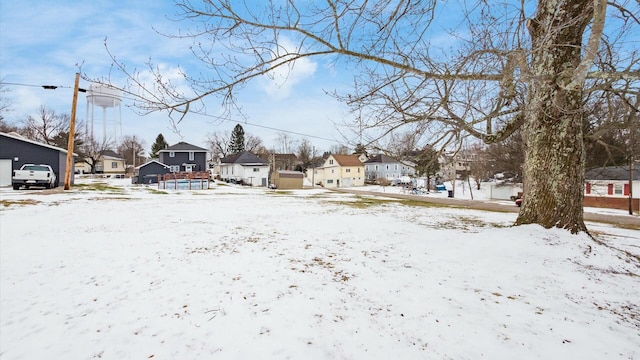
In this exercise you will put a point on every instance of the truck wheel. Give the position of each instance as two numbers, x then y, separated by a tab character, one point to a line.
16	187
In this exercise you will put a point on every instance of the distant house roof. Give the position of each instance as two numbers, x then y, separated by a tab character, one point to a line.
112	154
183	146
381	158
347	160
152	162
285	157
245	158
316	162
611	173
17	136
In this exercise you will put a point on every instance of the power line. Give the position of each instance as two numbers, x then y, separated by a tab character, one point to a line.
270	128
53	87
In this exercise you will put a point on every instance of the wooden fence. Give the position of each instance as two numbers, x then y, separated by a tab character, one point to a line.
198	177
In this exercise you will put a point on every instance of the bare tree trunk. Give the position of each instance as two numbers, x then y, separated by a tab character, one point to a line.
554	148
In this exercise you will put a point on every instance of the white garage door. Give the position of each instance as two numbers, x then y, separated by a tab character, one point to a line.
5	172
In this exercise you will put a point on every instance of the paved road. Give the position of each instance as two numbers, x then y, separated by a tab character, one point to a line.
624	220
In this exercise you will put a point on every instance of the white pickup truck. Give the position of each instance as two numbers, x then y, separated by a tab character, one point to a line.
33	175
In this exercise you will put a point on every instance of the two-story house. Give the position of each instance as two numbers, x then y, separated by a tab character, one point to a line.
181	157
386	167
184	157
338	171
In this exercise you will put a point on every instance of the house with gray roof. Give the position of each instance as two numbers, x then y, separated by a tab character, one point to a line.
386	167
148	172
245	168
612	181
184	157
611	186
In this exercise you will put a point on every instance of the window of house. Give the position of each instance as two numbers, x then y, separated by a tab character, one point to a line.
617	189
329	181
348	170
358	169
332	171
114	165
172	154
376	167
395	167
174	168
330	162
387	167
256	169
191	155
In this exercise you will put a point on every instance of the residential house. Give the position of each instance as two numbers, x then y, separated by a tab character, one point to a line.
339	171
245	168
609	187
16	151
184	157
148	172
386	167
111	163
455	165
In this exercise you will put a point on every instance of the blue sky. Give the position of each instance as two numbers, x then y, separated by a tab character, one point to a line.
42	43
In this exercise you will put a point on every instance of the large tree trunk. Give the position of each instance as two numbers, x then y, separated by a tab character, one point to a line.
554	149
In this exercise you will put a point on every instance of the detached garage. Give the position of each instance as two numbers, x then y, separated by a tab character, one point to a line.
16	151
286	179
148	172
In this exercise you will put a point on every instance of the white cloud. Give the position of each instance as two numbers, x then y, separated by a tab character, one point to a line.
280	82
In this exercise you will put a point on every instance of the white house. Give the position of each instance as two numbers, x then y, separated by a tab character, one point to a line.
245	168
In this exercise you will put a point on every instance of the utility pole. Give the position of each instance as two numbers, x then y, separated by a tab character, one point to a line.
72	134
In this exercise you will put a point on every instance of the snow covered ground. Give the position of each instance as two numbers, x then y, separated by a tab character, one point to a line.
130	272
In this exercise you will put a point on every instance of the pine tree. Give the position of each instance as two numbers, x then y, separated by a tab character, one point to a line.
236	144
427	164
160	144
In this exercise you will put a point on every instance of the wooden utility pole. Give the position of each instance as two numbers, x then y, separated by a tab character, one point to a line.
72	134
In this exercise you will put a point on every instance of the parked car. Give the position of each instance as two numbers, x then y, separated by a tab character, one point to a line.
519	202
33	175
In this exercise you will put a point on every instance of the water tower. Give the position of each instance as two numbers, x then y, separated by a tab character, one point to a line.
104	97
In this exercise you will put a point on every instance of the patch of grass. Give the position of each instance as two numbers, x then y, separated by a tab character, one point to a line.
98	187
279	192
467	223
156	191
113	198
428	204
365	202
7	203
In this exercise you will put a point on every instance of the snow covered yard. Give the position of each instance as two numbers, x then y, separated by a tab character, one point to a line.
130	272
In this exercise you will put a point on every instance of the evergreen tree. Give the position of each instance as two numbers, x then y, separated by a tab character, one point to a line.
427	164
236	144
160	144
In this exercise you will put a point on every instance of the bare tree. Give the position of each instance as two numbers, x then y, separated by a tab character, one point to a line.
339	149
505	67
5	106
93	151
305	153
284	143
132	149
45	126
219	144
253	144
